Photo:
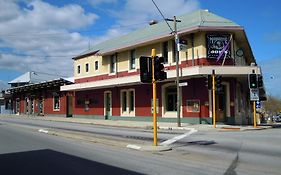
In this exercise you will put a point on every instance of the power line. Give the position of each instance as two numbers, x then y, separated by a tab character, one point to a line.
163	17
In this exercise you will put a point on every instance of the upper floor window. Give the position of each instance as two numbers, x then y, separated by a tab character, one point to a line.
133	59
165	51
113	63
78	69
96	65
87	67
174	49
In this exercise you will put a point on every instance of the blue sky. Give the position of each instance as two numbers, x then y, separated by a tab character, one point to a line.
36	33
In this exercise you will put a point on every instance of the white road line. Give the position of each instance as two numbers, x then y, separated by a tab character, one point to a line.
43	130
134	146
177	138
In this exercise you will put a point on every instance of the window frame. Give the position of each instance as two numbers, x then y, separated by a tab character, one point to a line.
132	62
79	69
96	65
125	103
87	67
165	51
54	102
113	64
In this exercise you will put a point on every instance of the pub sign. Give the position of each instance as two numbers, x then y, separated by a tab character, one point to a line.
216	44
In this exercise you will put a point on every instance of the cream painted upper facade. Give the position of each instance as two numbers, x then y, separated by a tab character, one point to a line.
123	58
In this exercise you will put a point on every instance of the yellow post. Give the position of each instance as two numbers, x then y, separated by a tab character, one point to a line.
255	114
214	100
153	54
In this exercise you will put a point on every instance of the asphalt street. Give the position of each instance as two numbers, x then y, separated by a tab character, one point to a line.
203	152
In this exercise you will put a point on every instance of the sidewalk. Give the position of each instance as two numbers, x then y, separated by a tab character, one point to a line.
142	124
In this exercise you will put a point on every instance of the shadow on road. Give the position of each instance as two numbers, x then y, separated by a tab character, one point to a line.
46	162
198	142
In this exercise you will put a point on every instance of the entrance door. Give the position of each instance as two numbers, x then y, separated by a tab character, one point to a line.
221	105
69	107
107	104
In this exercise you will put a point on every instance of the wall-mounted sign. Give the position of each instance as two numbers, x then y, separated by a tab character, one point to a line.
217	43
254	94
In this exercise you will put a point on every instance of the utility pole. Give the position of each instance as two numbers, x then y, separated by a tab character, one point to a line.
177	69
175	32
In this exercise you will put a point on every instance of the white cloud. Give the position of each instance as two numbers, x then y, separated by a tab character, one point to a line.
39	31
137	14
3	85
98	2
139	11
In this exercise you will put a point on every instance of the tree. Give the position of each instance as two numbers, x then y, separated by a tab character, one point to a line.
272	106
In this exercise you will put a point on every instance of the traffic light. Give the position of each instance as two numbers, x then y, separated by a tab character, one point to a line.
159	73
253	83
209	82
260	81
146	69
218	84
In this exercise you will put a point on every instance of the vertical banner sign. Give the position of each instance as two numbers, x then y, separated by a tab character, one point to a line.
218	46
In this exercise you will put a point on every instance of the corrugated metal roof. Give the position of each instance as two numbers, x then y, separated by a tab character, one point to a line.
199	18
34	77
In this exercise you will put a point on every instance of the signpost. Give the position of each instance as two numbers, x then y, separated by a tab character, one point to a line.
181	44
254	94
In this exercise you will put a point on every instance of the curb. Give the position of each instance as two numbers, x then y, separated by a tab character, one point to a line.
149	148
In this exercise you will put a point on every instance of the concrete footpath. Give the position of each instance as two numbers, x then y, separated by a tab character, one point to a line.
143	124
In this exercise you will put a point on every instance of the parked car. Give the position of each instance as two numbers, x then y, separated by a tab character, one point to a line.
276	118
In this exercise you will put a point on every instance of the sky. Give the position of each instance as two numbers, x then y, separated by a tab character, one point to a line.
43	35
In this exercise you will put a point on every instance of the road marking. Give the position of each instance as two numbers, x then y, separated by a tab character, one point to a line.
134	146
177	138
43	130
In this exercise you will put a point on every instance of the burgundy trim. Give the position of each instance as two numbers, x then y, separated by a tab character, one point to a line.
184	64
106	76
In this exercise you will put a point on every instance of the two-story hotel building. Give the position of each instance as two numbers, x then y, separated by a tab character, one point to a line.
107	81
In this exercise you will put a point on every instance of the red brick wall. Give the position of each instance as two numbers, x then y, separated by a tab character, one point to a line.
48	104
96	102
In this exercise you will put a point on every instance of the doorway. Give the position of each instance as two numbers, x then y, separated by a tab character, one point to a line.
223	103
69	107
107	104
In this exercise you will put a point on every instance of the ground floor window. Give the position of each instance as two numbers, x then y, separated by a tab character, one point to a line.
171	98
193	105
128	102
56	102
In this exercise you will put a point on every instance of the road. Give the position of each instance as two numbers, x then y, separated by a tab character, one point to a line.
204	152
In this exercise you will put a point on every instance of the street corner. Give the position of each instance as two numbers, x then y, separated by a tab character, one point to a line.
242	128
